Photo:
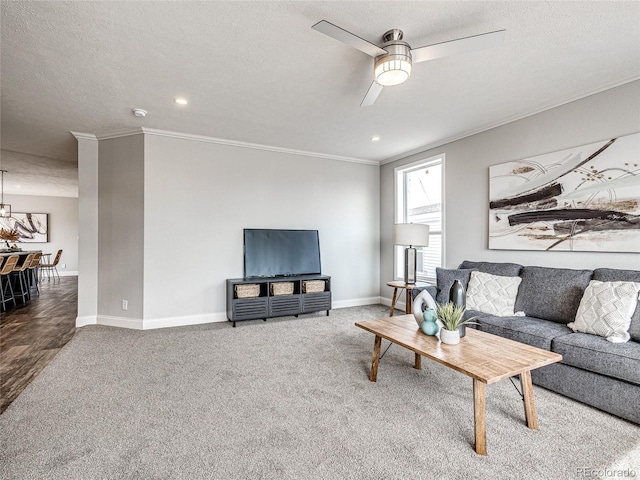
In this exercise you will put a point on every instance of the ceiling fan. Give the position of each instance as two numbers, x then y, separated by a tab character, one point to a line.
394	58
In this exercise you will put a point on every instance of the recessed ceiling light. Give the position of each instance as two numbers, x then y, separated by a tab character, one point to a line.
138	112
181	101
375	138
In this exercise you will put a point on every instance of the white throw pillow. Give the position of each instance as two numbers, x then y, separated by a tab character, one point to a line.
492	294
606	309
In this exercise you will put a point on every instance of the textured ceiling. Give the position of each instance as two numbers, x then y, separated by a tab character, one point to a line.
256	72
34	175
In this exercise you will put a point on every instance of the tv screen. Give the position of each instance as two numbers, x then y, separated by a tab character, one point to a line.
272	253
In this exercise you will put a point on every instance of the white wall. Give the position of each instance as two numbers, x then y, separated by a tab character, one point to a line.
172	210
199	197
88	230
609	114
120	228
63	227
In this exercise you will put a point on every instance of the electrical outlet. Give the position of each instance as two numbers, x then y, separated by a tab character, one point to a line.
64	265
125	304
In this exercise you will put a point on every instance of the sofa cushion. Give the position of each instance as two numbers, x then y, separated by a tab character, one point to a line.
445	279
504	269
593	353
606	309
551	293
615	275
474	315
430	288
532	331
494	294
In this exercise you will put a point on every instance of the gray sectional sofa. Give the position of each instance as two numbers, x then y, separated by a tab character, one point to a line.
593	370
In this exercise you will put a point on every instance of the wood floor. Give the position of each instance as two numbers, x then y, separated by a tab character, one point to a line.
32	334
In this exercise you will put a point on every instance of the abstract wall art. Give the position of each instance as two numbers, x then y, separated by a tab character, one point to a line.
31	227
581	199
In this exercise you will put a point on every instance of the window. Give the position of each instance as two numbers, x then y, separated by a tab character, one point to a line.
419	200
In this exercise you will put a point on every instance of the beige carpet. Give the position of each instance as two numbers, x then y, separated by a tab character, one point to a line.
286	399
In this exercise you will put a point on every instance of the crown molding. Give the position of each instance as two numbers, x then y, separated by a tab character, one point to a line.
126	132
84	136
218	141
255	146
508	120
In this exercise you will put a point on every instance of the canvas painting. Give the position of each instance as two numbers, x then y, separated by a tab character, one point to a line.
31	227
581	199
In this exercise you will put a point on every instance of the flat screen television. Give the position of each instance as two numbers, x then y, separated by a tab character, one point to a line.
274	253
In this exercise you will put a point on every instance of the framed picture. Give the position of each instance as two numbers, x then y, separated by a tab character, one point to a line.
31	227
585	199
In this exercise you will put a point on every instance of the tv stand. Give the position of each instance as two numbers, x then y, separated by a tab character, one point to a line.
267	305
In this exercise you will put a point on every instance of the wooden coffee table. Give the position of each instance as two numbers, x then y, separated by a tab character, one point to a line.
484	357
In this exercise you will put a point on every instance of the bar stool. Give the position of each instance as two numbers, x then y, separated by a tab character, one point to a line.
21	281
52	268
33	273
6	289
1	287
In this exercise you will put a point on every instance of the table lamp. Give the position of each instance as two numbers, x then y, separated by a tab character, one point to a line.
410	235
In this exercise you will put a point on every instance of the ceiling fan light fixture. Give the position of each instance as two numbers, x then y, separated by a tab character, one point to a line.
394	58
392	72
393	68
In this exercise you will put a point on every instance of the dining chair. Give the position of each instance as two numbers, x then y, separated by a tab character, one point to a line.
51	268
1	286
33	273
6	289
21	281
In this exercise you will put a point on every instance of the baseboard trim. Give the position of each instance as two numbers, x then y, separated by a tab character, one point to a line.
86	320
65	273
151	324
168	322
399	305
356	302
68	273
184	321
122	322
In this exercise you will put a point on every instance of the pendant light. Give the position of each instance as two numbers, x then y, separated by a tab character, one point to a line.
5	208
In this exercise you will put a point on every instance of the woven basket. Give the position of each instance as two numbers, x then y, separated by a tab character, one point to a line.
250	290
282	288
313	286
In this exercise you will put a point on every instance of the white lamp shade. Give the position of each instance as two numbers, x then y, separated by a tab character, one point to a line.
415	234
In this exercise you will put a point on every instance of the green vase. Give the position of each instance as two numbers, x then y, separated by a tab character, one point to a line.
429	326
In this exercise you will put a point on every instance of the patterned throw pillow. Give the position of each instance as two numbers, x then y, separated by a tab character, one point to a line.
606	309
492	294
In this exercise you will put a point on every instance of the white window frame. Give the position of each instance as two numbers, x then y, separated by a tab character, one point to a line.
400	214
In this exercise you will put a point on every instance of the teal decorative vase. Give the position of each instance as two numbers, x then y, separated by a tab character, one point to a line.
429	326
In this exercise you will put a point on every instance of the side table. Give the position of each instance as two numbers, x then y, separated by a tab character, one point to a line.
407	287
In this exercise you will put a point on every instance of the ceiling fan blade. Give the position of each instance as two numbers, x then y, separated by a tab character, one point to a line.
461	45
349	38
373	92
